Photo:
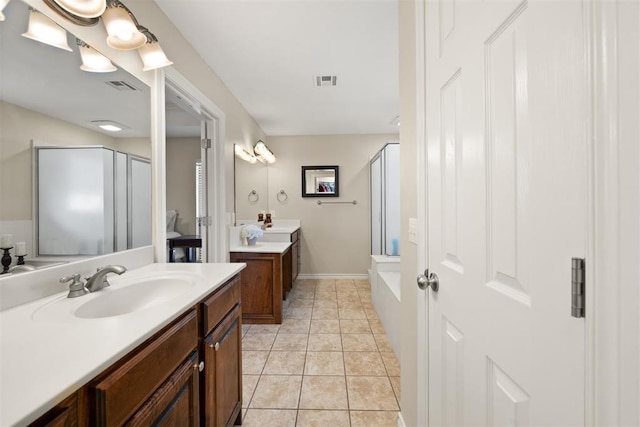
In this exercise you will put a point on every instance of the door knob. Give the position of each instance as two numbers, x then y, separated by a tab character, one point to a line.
427	280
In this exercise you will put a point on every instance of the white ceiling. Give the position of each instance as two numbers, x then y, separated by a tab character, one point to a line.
268	51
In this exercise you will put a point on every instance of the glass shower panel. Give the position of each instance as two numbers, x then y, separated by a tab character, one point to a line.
376	205
121	202
74	192
392	199
140	202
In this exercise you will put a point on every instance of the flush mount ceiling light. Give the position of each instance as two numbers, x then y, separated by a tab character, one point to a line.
151	53
263	153
122	27
92	60
44	30
3	4
109	125
244	154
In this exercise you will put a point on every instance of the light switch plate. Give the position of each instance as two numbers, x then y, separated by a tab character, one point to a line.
413	230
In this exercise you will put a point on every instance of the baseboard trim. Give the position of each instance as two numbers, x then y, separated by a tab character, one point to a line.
333	276
400	422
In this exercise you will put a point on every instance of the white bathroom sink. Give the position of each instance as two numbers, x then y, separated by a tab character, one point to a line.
126	295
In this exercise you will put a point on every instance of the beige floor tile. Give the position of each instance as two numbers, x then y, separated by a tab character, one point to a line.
269	417
371	313
320	392
371	393
364	363
299	313
325	313
327	285
326	296
391	363
285	363
374	418
263	329
295	326
253	361
376	326
362	283
395	383
311	418
292	342
325	304
245	329
354	326
249	383
358	342
306	283
319	326
344	283
302	294
348	295
324	342
258	341
300	303
352	313
383	342
324	363
277	392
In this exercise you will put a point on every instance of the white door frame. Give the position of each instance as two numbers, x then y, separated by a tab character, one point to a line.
216	238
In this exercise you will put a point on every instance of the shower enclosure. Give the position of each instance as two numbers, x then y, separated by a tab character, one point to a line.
385	201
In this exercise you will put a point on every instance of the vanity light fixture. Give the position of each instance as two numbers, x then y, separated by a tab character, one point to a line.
122	27
151	53
44	30
244	154
83	8
3	4
263	153
92	60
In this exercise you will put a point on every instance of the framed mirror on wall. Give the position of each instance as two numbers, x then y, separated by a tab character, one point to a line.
320	181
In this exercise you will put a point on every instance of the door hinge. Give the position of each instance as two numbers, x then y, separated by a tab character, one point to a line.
577	287
206	143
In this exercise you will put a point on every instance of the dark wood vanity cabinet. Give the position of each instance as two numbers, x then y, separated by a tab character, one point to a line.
187	374
295	255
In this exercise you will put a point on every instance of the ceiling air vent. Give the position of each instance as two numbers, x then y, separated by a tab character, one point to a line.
321	81
121	85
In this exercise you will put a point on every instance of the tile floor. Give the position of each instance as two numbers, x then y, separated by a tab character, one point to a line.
328	364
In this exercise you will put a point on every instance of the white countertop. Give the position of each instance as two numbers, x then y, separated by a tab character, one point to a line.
262	247
44	359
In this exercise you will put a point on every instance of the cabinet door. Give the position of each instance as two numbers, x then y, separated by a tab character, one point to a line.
176	402
223	372
295	251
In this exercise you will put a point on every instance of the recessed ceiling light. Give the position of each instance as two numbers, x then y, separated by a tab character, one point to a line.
109	125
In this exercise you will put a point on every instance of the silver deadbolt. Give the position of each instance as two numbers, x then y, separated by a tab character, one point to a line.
427	280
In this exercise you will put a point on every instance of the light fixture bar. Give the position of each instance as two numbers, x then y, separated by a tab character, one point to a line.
244	154
92	60
263	153
122	27
44	30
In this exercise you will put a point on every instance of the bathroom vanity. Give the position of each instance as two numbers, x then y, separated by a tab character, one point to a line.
161	344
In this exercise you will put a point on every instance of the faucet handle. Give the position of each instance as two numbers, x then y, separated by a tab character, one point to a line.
76	288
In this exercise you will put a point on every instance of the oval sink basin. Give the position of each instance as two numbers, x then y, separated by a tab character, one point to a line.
139	296
125	295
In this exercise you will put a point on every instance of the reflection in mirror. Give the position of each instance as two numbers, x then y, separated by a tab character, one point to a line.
46	98
320	181
251	189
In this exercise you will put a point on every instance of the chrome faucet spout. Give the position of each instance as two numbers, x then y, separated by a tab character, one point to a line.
99	279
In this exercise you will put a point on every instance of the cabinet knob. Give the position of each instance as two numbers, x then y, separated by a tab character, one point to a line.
199	366
216	346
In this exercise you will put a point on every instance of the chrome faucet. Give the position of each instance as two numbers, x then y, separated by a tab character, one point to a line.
99	279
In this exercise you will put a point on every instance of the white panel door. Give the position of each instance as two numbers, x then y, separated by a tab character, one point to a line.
506	189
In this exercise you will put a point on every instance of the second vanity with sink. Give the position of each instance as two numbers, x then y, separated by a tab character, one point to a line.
161	343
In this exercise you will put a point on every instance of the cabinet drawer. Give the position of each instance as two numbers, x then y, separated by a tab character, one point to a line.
117	395
220	303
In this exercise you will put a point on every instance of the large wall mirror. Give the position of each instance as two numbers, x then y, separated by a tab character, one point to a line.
320	181
46	98
251	189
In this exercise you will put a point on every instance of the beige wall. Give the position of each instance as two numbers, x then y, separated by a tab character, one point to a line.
241	128
182	154
18	127
408	209
335	238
